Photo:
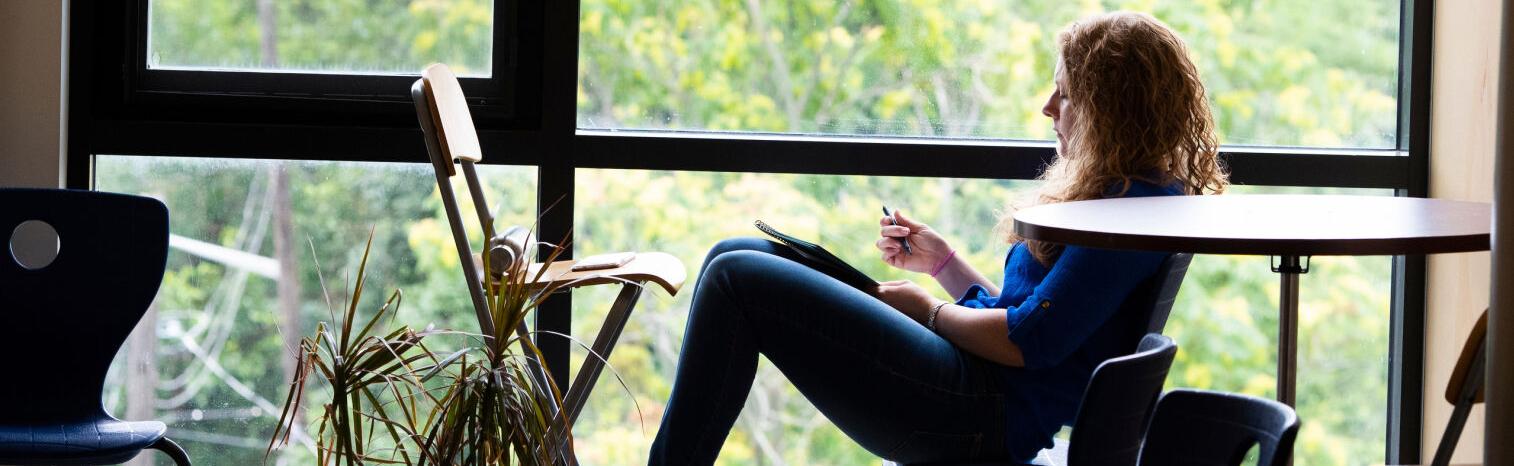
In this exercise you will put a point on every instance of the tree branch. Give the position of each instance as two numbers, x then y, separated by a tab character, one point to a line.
779	69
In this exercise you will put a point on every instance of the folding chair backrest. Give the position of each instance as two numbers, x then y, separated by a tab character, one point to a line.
447	127
65	322
1464	389
1465	363
456	136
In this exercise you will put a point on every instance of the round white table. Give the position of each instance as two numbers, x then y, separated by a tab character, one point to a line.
1291	228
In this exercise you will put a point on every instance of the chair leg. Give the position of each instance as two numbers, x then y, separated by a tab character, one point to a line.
172	450
604	342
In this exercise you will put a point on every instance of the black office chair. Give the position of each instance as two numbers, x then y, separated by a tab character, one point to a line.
65	320
1204	428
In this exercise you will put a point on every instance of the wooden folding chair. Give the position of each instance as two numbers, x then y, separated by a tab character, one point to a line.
451	140
1464	389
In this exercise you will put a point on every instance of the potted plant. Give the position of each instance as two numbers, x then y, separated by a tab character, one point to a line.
396	401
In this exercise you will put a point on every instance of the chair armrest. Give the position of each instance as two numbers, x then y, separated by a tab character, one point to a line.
657	267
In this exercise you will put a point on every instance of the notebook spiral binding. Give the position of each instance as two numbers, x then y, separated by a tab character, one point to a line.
774	233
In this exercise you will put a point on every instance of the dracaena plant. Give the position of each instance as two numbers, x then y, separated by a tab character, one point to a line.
396	401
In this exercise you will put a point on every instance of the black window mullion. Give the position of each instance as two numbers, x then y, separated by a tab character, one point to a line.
1406	367
1382	169
297	142
555	180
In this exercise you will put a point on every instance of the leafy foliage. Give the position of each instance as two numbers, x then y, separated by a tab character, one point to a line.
496	408
359	367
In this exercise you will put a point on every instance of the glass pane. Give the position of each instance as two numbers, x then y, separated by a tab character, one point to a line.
327	36
1278	73
213	356
1225	319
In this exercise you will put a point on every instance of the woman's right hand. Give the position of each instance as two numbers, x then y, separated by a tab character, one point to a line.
927	248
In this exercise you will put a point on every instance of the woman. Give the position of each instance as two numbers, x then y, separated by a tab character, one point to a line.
994	374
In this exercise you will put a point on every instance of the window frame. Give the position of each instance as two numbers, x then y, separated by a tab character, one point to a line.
252	97
527	115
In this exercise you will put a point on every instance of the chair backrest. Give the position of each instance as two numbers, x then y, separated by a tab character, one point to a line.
1466	364
1157	293
447	128
1205	428
1117	404
456	137
66	321
1464	389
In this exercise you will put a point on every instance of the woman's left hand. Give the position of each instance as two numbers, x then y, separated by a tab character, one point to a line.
908	298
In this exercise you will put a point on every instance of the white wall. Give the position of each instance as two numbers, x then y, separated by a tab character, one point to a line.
31	53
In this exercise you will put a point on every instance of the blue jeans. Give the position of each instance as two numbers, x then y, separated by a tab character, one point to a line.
897	389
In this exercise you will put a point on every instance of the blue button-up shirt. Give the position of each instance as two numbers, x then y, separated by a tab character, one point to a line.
1065	319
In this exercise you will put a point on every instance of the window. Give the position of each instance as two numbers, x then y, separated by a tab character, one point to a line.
324	37
1225	322
684	213
670	125
287	61
972	69
219	335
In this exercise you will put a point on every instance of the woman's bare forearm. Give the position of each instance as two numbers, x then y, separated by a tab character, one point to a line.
983	332
956	276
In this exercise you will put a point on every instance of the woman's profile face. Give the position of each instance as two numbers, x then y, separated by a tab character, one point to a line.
1058	107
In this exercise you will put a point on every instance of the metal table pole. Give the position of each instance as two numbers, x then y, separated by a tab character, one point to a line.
1287	335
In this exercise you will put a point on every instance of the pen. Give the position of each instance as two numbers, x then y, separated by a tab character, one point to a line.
894	221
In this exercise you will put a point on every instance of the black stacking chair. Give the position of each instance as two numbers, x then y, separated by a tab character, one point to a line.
1157	293
65	321
1112	416
1118	403
1204	428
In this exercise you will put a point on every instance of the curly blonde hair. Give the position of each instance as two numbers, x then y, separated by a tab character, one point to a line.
1141	114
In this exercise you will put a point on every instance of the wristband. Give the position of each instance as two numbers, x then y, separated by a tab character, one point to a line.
930	320
937	269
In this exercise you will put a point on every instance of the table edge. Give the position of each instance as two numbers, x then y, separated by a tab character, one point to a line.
1257	246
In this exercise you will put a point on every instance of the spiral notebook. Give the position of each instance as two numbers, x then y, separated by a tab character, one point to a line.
822	260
